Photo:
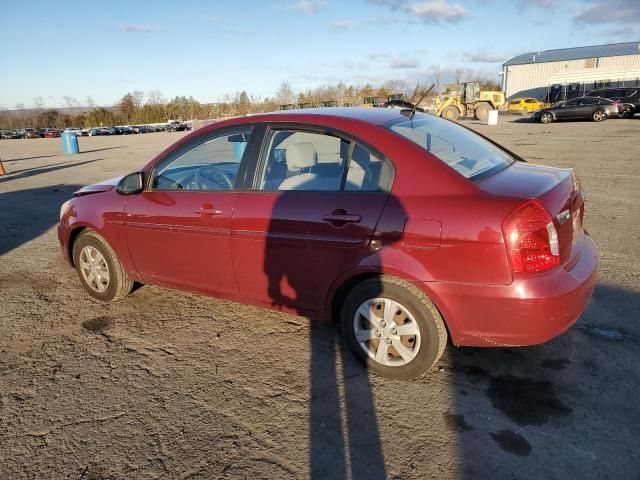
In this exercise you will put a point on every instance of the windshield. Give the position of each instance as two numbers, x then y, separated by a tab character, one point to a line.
464	151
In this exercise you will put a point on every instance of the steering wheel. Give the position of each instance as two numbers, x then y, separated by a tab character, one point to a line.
207	176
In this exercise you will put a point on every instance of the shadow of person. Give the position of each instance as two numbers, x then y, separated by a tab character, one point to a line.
304	256
27	214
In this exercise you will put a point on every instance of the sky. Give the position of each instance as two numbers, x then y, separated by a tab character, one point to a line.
207	49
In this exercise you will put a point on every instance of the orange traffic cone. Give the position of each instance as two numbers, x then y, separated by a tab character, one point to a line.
2	172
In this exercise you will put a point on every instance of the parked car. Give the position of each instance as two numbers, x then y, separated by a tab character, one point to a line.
177	127
581	108
406	230
85	132
11	135
31	133
77	131
42	131
52	133
524	106
629	97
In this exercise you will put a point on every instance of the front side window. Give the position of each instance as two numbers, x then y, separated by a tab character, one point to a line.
311	161
212	164
464	151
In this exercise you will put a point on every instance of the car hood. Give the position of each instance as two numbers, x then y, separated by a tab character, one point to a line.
103	186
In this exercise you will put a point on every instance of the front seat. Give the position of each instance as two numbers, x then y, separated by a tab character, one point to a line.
302	158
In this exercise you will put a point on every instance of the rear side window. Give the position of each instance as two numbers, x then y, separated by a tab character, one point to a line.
314	161
464	151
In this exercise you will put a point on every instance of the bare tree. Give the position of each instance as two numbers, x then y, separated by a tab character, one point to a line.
19	106
138	96
155	97
69	101
90	103
38	103
458	72
285	94
436	73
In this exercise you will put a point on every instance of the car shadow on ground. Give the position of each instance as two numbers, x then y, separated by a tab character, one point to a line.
27	158
102	149
516	410
38	211
30	172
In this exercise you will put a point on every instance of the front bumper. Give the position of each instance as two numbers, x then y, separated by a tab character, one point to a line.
531	310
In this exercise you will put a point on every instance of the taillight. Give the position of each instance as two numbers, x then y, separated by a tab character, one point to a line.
531	239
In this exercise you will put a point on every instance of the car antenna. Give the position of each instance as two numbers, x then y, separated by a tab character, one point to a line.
412	112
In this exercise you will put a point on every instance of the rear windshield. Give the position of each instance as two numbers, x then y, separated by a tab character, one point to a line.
461	149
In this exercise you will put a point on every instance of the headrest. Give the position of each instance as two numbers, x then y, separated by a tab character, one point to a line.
301	155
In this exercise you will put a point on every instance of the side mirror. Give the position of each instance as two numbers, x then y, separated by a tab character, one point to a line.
131	184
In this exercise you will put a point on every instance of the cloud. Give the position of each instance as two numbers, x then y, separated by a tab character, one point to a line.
429	11
544	4
437	11
405	63
341	25
484	57
609	11
135	28
306	6
624	32
392	4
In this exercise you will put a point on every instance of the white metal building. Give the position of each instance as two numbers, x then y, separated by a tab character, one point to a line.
578	69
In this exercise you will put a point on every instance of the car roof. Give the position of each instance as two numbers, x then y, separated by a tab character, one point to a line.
373	115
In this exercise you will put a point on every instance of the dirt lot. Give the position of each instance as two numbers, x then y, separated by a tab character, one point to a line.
171	385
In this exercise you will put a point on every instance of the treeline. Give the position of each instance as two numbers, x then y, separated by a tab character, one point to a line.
136	108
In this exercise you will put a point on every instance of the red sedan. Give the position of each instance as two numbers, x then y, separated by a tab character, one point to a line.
407	230
52	133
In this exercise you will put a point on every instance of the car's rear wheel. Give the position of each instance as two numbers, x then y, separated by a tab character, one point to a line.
599	116
393	328
546	117
627	111
101	273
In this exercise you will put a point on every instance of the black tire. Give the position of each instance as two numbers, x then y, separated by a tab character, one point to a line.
450	113
546	117
119	284
599	116
433	334
627	112
482	112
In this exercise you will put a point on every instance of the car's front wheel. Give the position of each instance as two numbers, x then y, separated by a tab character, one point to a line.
599	116
101	273
393	328
546	117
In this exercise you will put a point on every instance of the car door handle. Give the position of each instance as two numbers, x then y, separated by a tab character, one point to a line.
208	211
340	217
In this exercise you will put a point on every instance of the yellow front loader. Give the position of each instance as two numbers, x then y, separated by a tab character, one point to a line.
472	103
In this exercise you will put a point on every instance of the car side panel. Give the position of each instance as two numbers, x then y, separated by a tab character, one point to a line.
104	214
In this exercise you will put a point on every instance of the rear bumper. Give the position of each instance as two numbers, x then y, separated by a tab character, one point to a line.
531	310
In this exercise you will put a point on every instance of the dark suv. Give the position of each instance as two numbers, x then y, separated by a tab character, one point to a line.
628	96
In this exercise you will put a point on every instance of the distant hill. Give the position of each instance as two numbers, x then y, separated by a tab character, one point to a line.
71	111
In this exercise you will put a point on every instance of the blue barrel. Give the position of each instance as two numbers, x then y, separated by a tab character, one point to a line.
70	143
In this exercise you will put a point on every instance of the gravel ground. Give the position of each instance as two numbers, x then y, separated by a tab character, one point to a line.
166	384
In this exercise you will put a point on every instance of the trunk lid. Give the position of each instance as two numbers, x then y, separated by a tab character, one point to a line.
557	189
